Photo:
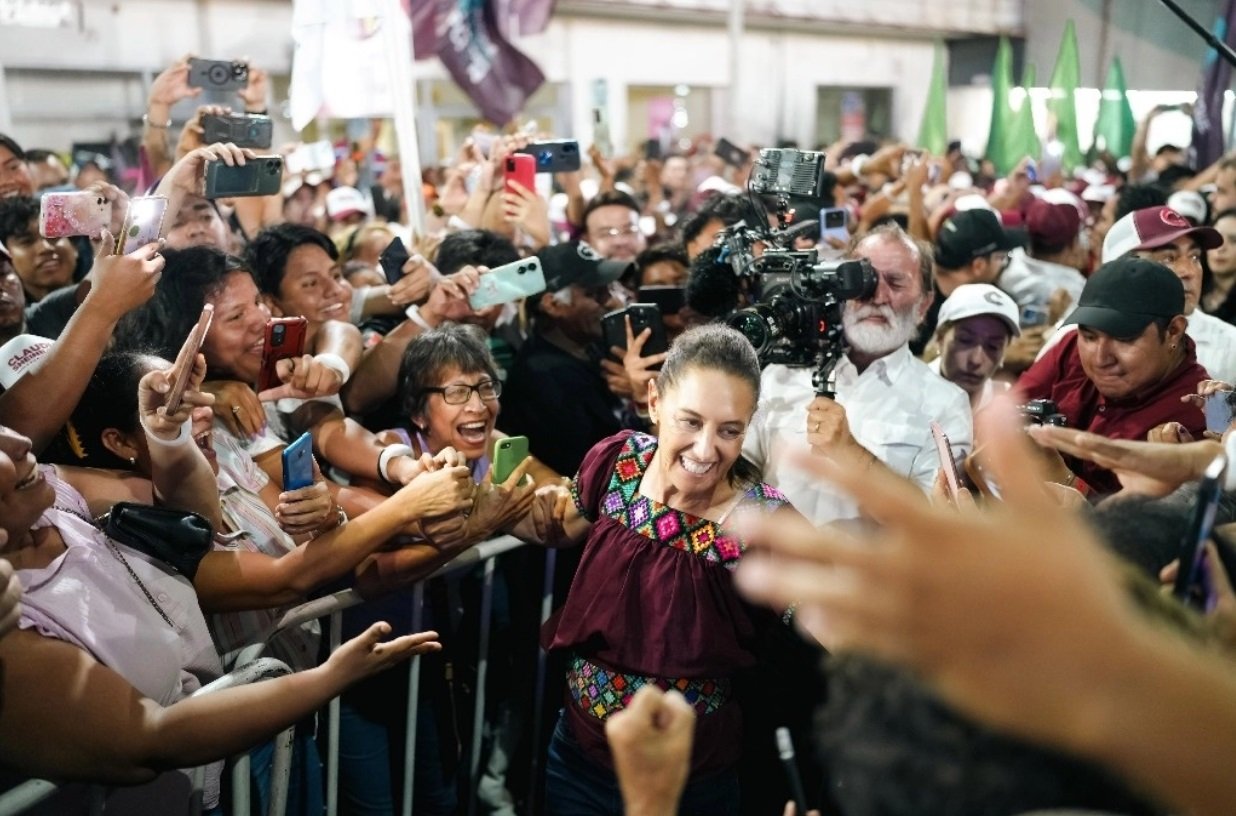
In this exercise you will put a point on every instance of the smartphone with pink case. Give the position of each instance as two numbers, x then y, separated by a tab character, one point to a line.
65	214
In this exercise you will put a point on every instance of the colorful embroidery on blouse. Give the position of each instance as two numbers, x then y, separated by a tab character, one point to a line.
601	692
673	528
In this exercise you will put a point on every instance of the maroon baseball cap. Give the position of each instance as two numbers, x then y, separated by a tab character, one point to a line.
1151	228
1052	226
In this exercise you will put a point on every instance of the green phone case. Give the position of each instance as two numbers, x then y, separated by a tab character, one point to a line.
508	453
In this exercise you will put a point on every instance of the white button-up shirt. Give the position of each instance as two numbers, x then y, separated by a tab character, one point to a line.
889	407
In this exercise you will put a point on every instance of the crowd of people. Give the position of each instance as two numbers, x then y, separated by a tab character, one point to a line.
943	577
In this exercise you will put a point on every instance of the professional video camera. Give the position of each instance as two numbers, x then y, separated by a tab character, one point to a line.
794	316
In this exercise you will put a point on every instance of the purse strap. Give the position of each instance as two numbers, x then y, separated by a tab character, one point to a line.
111	546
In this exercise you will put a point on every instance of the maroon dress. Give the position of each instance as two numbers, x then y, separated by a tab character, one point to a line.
653	601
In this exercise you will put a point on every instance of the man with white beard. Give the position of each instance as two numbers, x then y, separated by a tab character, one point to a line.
886	398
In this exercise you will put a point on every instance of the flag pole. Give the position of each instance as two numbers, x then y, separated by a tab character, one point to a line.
397	30
1211	40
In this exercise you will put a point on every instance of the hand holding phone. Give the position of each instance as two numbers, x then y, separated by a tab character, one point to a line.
508	283
285	337
65	214
186	358
392	260
521	168
1218	408
143	223
643	316
298	463
509	452
952	479
1192	586
258	176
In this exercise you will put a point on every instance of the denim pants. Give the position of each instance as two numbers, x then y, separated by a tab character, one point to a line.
306	795
577	786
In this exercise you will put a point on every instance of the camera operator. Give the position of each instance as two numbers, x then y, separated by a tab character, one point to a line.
1123	372
886	399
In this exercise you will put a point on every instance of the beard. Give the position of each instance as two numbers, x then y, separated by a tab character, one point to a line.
873	338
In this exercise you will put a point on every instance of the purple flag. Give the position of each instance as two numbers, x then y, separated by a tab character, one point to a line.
1208	142
494	75
424	29
527	17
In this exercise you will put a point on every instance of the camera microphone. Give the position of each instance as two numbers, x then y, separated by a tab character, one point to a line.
712	288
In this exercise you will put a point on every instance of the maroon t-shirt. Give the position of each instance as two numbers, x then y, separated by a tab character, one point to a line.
653	599
1058	376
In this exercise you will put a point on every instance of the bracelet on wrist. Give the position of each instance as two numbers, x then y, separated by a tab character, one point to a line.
156	125
181	439
384	460
335	363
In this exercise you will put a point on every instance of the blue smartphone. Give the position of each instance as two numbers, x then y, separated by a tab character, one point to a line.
298	463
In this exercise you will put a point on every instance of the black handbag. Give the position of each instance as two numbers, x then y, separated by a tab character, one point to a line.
177	538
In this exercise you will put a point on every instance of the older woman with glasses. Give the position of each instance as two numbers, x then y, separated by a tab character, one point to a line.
450	389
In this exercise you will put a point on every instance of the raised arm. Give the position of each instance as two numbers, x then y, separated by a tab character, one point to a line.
41	401
231	580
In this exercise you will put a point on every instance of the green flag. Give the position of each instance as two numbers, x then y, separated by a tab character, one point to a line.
1001	113
933	134
1023	140
1113	131
1064	80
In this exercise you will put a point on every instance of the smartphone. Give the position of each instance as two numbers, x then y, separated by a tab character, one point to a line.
643	316
508	283
1218	409
557	156
834	223
143	223
952	479
653	151
669	299
519	167
285	337
298	463
600	132
1032	172
184	360
731	154
1192	586
218	75
65	214
509	451
1033	316
242	130
259	176
306	158
392	260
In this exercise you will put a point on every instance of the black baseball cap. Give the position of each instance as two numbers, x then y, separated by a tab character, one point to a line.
971	234
579	264
1124	296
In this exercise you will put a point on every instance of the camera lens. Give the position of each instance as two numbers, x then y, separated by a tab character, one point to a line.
240	70
276	334
217	74
545	158
272	168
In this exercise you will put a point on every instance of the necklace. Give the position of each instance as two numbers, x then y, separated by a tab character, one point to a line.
111	546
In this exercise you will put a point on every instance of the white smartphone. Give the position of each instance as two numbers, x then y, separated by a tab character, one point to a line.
1219	411
509	282
834	224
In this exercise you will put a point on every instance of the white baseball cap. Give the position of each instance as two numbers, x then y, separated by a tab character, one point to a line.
974	299
344	201
18	355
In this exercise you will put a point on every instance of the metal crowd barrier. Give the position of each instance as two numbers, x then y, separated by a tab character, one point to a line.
255	667
32	792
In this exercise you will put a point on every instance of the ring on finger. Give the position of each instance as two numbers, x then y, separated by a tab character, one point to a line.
235	410
815	428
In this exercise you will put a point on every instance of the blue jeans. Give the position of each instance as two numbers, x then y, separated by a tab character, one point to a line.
577	786
306	795
369	747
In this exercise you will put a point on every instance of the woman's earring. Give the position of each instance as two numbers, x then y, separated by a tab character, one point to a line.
132	460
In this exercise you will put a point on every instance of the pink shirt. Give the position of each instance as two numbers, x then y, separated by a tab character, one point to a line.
87	598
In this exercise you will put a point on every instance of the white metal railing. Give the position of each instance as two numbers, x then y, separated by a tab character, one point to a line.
254	667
